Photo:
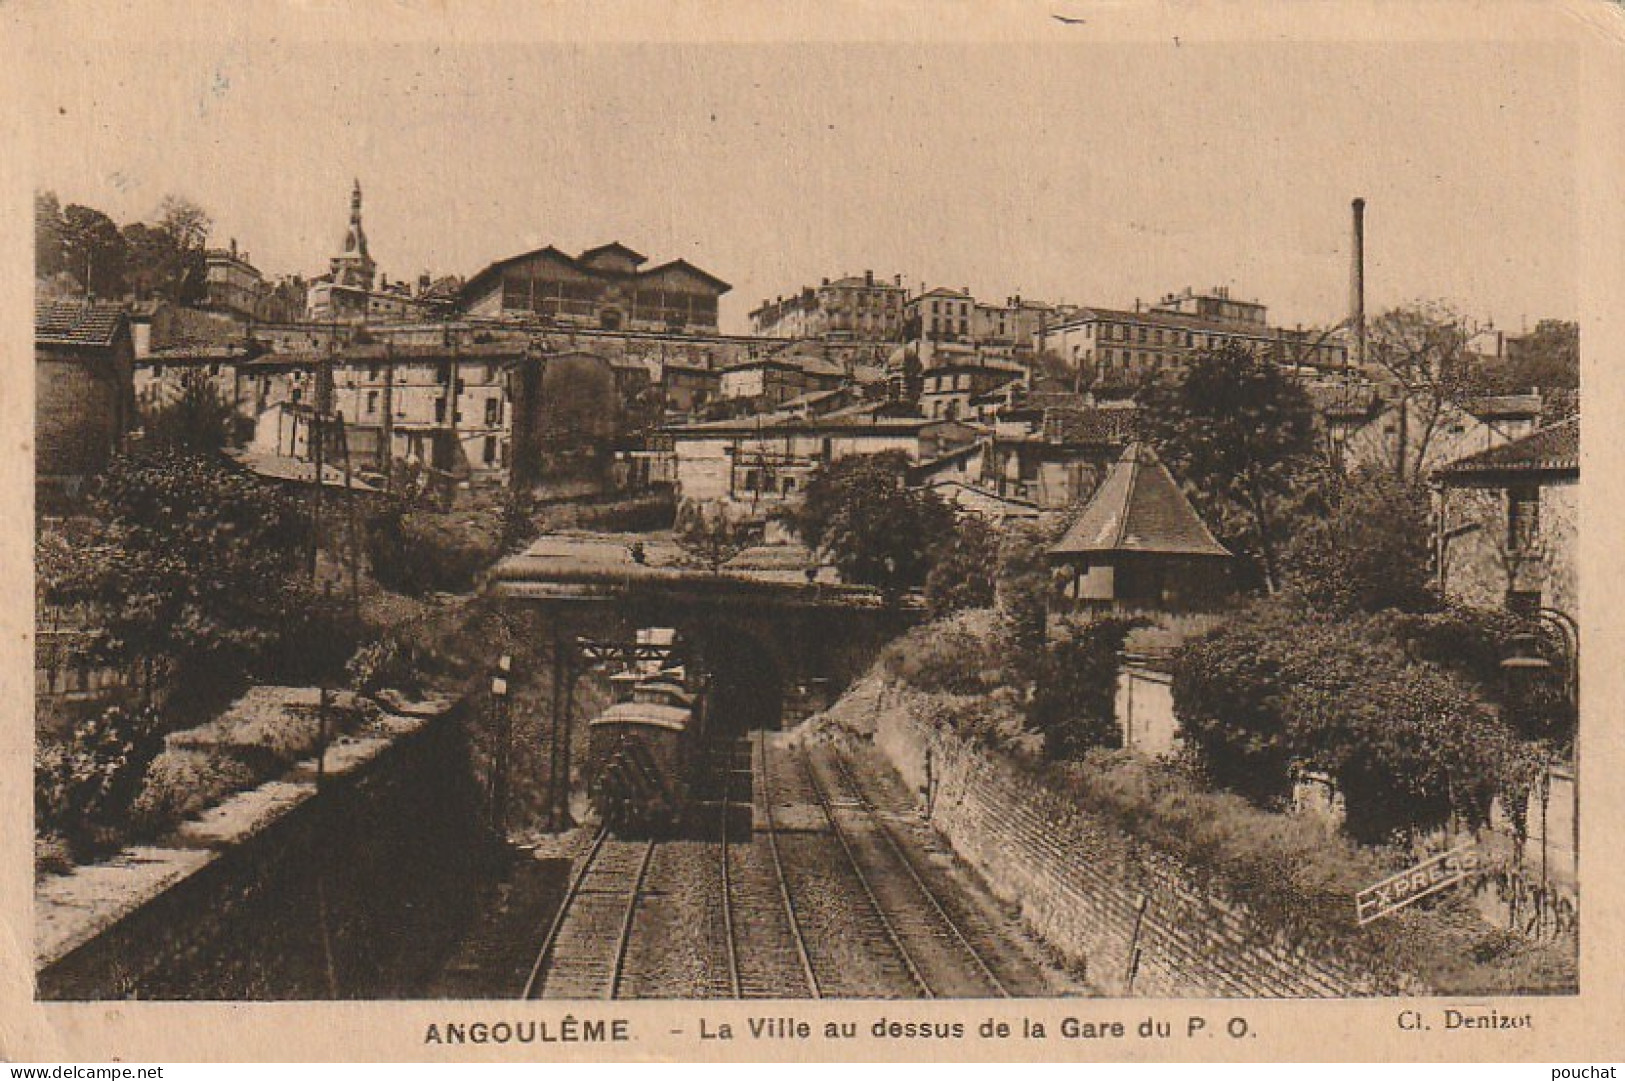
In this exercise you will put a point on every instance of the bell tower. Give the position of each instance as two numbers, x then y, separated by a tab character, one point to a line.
353	266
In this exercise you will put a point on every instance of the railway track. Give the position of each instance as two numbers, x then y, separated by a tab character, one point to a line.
767	946
583	955
939	957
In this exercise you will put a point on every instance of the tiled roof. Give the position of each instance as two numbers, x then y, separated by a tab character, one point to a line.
75	322
1139	508
1555	449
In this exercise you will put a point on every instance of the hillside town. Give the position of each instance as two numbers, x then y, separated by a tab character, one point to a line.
1271	595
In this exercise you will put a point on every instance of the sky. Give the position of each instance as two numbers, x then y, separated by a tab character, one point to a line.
1080	169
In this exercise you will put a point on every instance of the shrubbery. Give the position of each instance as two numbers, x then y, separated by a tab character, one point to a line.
84	787
418	552
1074	697
1282	688
965	572
958	656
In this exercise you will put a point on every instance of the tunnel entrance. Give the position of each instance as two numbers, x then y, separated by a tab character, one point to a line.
746	682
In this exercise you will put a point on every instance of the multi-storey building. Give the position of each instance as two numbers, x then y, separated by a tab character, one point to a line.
604	287
442	406
940	315
1117	347
231	283
949	389
858	307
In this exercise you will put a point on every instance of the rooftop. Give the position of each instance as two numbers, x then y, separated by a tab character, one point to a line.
1555	449
1139	508
77	322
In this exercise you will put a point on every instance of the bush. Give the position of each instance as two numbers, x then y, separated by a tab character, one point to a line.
985	720
379	664
182	784
1227	690
1282	688
83	788
1074	699
966	569
952	657
418	552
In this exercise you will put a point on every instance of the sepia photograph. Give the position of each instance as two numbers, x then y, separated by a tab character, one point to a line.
858	511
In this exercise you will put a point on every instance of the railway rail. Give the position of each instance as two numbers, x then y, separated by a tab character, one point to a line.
583	954
937	954
761	986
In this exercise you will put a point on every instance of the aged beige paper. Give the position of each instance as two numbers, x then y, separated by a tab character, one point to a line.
438	654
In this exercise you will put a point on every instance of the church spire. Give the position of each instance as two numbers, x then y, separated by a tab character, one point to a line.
353	266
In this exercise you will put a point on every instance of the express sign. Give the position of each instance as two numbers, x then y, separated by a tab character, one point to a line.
1426	878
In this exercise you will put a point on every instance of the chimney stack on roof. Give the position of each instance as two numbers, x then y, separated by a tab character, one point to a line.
868	277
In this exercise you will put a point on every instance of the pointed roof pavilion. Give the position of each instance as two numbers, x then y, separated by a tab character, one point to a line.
1138	508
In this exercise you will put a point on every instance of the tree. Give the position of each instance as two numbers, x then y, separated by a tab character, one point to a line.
1546	357
878	531
50	255
1368	549
965	573
94	251
1023	587
1239	433
1282	689
712	537
1074	698
200	421
191	570
1423	351
186	224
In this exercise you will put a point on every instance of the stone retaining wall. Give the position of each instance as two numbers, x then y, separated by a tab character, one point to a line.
1138	920
355	890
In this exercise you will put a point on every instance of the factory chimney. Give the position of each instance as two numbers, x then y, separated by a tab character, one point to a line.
1357	288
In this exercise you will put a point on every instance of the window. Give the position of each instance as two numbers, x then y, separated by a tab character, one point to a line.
1190	339
1142	335
1523	516
490	454
440	410
372	402
493	412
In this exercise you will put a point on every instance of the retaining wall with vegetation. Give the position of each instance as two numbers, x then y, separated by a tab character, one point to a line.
1138	920
354	889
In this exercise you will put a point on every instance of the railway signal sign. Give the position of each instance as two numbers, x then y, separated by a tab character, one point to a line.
1425	879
